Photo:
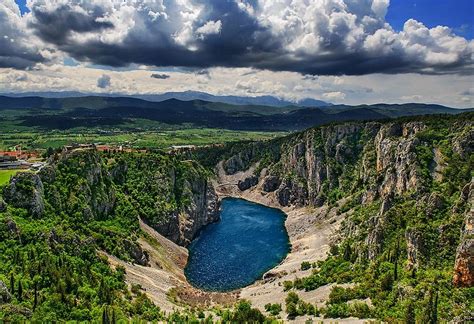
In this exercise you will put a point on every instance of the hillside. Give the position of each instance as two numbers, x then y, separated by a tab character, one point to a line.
391	204
379	217
122	112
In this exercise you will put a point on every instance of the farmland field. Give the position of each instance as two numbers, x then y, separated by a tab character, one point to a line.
38	139
6	174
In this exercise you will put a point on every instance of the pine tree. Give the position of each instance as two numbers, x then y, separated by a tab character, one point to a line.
428	312
35	301
347	252
410	314
105	316
434	317
12	283
20	291
397	251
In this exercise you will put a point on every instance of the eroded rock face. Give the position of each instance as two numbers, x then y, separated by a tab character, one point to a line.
138	255
3	205
415	248
203	210
464	144
271	183
26	191
5	295
464	264
292	193
381	158
375	237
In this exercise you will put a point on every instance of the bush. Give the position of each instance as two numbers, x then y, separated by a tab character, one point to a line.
337	311
305	265
273	309
360	310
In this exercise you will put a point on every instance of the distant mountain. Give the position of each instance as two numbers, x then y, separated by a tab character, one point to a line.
95	111
188	96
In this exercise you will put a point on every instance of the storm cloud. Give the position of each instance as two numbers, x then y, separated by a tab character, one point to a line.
160	76
16	49
331	37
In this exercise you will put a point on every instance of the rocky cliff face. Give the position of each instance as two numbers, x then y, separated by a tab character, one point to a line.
380	158
464	266
201	209
87	184
25	190
412	165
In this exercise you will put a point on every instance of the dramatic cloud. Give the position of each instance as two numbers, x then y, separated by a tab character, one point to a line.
160	76
103	82
16	49
330	37
450	90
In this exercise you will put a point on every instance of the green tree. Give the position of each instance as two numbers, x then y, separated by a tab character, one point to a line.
410	313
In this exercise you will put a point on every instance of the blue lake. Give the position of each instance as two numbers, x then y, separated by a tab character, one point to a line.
249	240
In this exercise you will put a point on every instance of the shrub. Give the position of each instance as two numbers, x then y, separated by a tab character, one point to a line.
305	265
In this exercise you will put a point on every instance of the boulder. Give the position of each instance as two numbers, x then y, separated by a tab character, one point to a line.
271	183
247	183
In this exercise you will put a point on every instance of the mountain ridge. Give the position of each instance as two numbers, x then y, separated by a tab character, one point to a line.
189	95
91	111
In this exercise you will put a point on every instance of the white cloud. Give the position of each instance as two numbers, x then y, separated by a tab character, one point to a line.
210	28
369	89
329	37
334	96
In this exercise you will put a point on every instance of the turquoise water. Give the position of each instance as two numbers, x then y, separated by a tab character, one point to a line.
249	240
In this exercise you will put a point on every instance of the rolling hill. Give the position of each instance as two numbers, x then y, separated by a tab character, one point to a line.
95	111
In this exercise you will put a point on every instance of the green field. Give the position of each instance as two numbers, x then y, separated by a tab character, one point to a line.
6	174
36	139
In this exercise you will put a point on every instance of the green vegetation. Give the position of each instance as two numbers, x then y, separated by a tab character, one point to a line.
297	307
53	251
416	286
273	309
52	259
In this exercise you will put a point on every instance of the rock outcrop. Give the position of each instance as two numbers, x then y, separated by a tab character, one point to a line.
3	205
202	210
464	264
26	190
379	157
247	183
415	248
135	251
5	295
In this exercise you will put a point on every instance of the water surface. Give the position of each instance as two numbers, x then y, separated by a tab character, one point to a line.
249	240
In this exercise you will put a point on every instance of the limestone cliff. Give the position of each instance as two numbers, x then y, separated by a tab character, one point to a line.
407	169
464	266
172	196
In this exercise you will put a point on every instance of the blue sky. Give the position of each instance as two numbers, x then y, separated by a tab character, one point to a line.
457	14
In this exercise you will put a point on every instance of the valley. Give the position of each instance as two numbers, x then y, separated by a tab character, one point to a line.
367	203
209	161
